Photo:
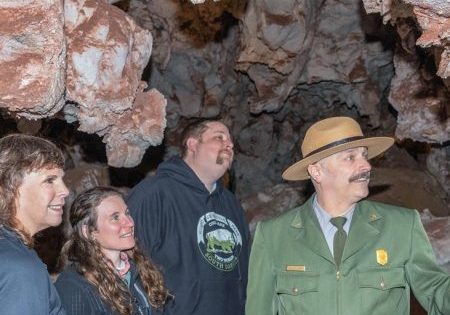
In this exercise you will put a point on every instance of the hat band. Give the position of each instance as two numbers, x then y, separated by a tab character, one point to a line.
333	144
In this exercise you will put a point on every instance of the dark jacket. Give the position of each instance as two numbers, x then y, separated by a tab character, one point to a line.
25	286
200	239
80	297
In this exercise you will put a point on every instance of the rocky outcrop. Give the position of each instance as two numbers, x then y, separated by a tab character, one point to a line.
420	88
32	57
421	103
435	25
194	74
275	44
438	164
438	230
295	52
292	68
306	61
268	68
133	131
419	92
107	53
106	56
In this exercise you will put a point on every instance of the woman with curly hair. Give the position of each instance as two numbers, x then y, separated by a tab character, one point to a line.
32	194
107	273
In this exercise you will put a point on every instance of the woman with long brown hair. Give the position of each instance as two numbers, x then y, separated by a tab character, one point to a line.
32	193
107	273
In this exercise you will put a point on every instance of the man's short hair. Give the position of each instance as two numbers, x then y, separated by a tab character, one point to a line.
194	130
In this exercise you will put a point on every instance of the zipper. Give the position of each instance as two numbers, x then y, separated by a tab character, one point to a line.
143	296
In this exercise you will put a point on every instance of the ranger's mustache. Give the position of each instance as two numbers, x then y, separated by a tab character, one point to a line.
362	175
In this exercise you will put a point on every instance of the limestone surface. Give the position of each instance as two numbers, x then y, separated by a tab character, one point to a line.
107	53
419	96
32	57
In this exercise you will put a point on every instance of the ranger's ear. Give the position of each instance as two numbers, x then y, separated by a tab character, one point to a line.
314	172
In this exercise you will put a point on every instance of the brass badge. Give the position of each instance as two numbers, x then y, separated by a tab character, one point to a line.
382	257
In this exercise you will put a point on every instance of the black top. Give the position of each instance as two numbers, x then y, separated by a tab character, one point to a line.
80	297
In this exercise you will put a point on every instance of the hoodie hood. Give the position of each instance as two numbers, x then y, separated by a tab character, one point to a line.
177	168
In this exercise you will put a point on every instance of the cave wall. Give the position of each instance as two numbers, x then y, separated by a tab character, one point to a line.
269	69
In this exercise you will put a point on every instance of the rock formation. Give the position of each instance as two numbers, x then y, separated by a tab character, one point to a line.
268	68
438	230
106	55
420	98
32	57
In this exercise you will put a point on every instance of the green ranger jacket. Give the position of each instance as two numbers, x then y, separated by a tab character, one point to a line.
387	253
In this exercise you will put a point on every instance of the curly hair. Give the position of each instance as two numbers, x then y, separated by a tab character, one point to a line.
85	252
21	154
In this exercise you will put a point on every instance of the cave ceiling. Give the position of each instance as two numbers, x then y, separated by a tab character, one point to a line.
134	72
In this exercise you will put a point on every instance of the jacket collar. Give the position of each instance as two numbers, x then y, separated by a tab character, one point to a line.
11	235
362	230
134	271
305	227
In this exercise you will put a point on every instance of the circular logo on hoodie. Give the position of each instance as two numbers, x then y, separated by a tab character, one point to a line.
219	241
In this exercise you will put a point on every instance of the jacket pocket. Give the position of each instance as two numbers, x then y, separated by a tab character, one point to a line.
385	279
383	291
297	293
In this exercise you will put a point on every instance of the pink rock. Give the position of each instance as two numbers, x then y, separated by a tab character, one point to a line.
107	53
421	102
419	108
32	57
433	16
135	130
436	32
441	7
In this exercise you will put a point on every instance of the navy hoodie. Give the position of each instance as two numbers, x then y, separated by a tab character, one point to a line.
200	240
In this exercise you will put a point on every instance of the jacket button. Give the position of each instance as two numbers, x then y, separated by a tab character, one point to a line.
382	284
295	290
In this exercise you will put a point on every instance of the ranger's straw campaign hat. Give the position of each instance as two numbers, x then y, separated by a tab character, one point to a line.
329	136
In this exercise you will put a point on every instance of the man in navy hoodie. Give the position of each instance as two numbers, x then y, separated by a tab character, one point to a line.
193	227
